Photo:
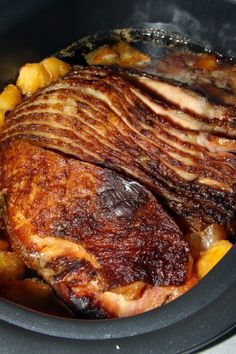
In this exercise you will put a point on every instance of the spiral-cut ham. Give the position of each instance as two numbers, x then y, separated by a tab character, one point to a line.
172	140
101	240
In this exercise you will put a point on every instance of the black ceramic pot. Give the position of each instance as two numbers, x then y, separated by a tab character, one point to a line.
31	30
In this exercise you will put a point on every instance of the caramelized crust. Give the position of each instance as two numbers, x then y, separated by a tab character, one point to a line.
169	138
83	216
89	231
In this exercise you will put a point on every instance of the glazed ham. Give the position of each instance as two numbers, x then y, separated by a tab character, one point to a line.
172	140
101	240
80	160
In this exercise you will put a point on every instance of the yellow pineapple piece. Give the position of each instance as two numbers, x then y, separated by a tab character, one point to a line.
2	119
9	98
32	77
207	62
212	256
11	266
34	294
121	53
132	291
200	241
102	56
130	56
55	67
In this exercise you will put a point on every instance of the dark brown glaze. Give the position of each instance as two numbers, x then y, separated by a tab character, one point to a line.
108	117
88	230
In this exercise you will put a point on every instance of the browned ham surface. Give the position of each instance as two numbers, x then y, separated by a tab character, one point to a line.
169	138
101	240
80	160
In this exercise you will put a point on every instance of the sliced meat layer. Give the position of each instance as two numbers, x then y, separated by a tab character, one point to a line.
162	135
101	240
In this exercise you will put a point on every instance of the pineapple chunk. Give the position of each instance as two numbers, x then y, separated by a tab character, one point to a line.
121	53
212	256
200	241
9	98
102	56
31	78
130	56
132	291
55	67
207	62
2	119
11	266
34	294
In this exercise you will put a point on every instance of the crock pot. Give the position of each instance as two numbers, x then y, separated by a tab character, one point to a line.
32	30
